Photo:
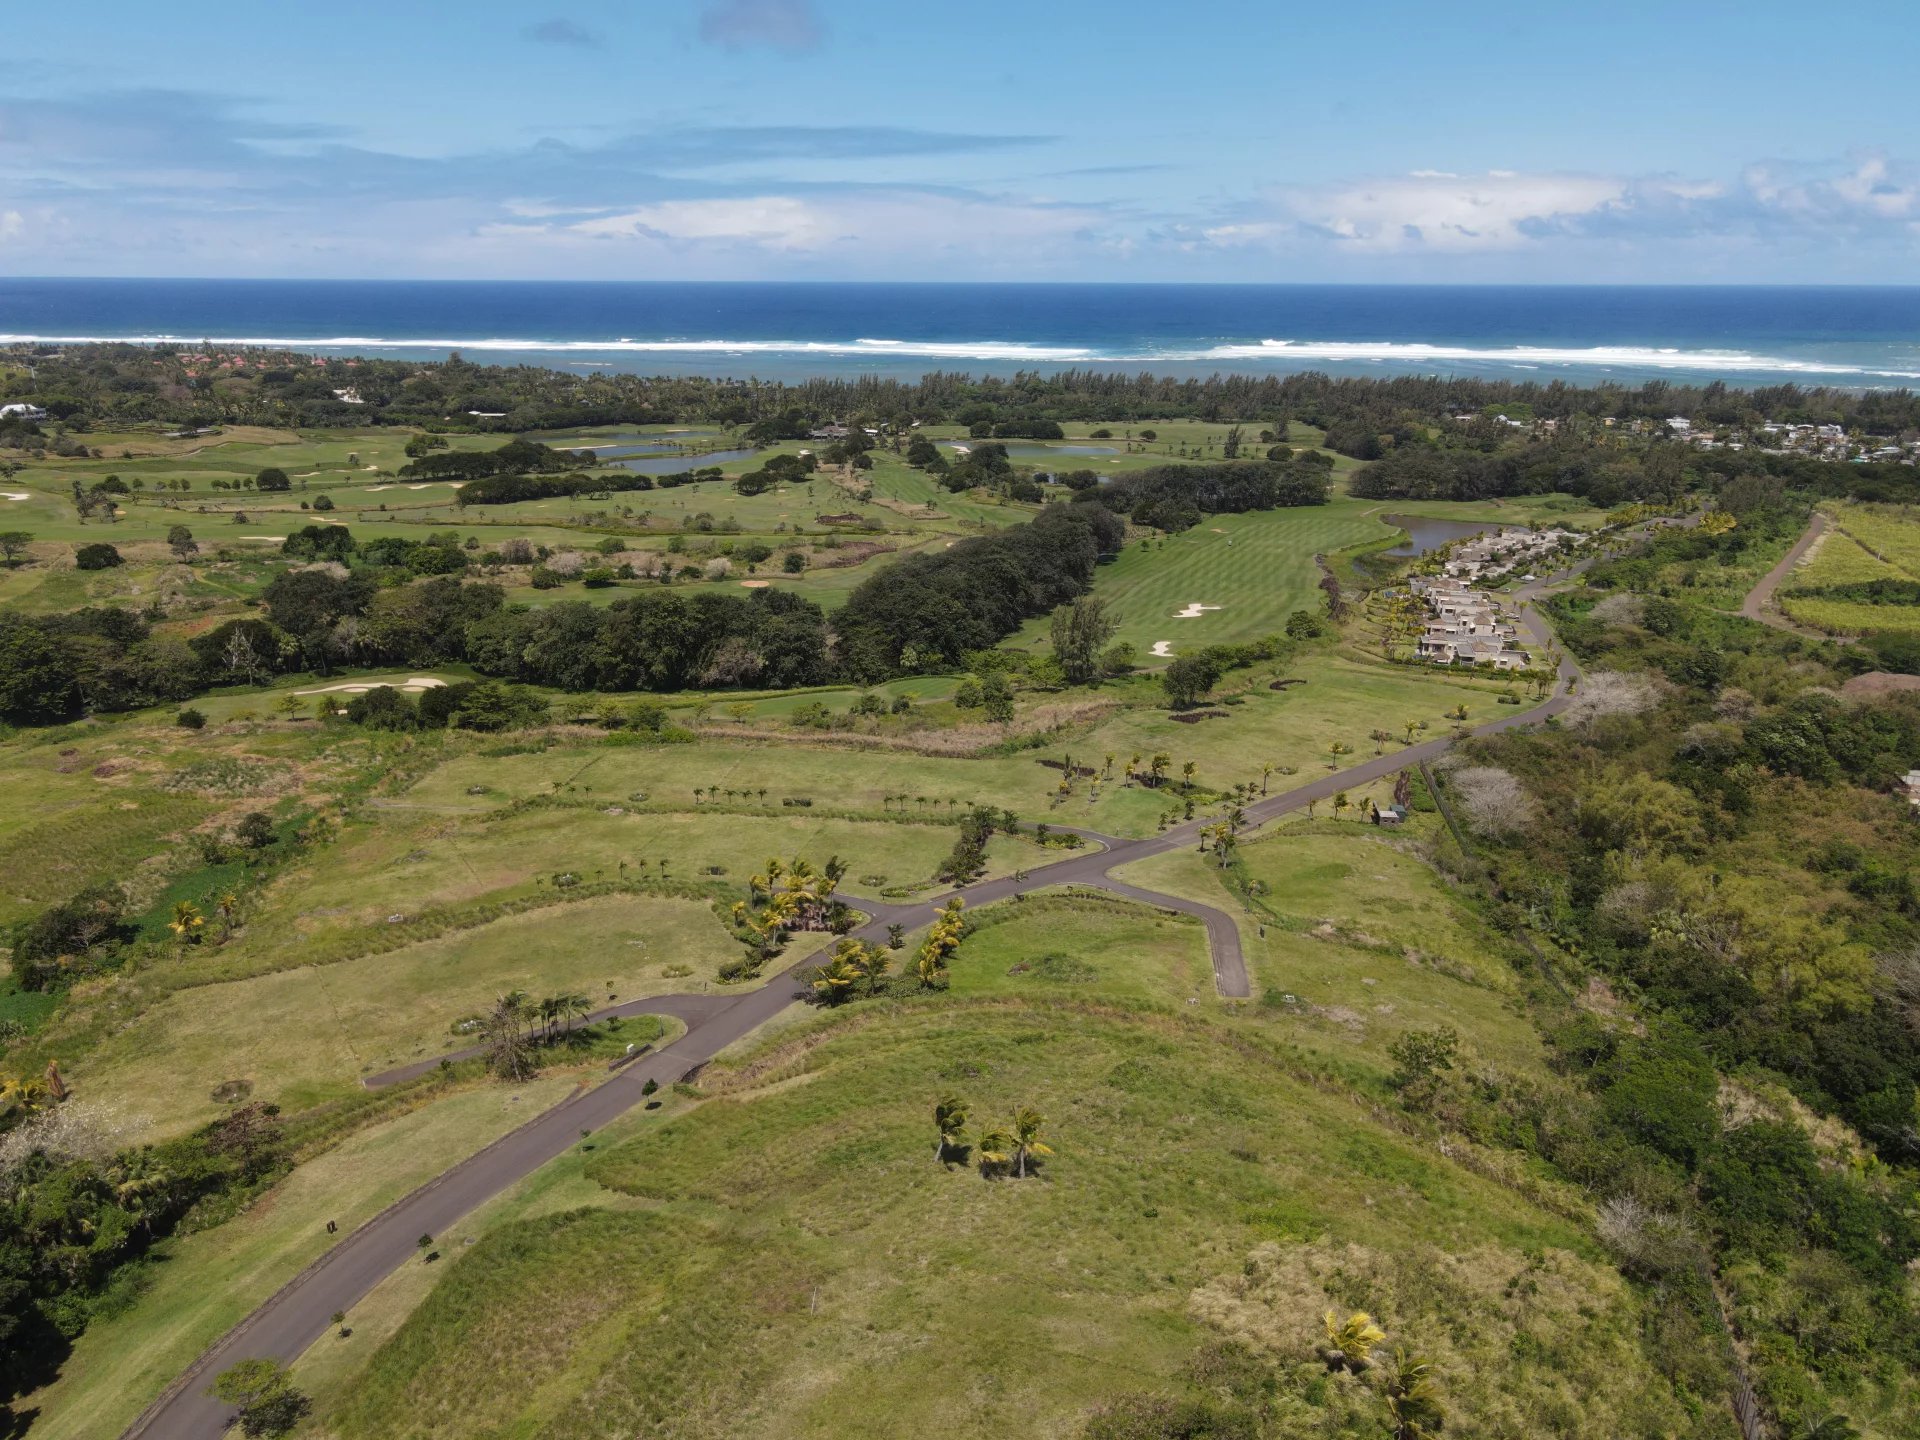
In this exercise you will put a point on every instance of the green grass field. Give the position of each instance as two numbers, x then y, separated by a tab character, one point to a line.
800	1265
1869	543
1254	570
307	1035
197	1287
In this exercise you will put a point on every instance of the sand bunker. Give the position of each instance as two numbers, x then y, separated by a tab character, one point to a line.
376	489
755	584
1193	611
16	494
1162	649
413	683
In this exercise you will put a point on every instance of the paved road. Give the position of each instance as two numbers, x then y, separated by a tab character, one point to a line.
300	1312
1759	602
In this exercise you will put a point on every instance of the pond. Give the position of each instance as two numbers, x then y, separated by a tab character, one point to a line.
670	464
635	443
1425	533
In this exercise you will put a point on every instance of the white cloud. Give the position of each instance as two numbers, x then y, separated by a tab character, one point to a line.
865	222
1435	210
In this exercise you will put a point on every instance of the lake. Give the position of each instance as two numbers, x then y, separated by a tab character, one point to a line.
1425	533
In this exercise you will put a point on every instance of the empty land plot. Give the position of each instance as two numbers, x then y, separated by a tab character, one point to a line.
1363	936
202	1284
785	1240
1861	576
302	1036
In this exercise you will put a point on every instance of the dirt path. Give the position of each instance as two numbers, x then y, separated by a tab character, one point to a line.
301	1311
1759	601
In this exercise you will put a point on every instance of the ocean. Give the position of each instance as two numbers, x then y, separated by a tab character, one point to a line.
1858	337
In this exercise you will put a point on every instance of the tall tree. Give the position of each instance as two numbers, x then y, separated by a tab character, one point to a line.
1081	630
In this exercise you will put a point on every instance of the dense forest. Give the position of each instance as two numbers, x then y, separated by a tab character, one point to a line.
1709	835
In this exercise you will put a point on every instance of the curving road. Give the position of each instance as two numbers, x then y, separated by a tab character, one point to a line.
301	1311
1759	602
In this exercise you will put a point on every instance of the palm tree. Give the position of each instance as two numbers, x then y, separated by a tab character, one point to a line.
1458	712
1186	773
1823	1425
950	1119
1412	725
1026	1139
1413	1401
1380	738
187	921
1340	802
996	1148
1350	1342
1266	776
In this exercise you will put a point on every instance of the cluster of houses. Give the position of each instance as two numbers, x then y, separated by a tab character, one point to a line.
1812	442
1466	626
1816	442
1498	553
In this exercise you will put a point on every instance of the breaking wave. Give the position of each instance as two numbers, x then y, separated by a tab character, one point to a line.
1291	354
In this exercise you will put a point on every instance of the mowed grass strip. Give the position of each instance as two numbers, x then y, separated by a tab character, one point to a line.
1256	568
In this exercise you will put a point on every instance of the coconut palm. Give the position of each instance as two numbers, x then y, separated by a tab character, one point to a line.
1266	776
1026	1139
1340	802
950	1120
1413	1400
1379	738
187	921
1350	1342
1186	773
1823	1425
996	1148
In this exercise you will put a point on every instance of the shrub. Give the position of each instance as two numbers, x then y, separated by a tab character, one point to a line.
98	556
190	719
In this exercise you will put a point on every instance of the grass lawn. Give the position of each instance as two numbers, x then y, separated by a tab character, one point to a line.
1339	699
199	1286
1070	945
1364	934
1256	568
799	1265
308	1034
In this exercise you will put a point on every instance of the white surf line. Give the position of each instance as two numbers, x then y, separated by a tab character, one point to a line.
1162	649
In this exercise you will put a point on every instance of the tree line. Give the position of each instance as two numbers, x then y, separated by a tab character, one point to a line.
121	384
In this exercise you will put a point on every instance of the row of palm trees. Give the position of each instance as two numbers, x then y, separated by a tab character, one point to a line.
517	1024
1002	1149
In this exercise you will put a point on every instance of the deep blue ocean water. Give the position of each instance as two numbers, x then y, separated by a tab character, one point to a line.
1851	336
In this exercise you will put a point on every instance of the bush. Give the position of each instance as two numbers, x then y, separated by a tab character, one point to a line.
99	556
190	719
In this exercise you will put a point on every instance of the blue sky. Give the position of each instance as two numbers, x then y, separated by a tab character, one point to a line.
851	139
